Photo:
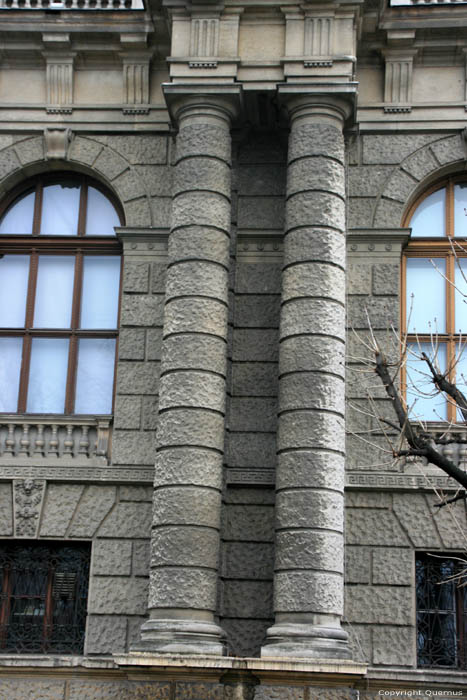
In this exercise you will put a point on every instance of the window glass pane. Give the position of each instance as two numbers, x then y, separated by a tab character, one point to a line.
95	377
99	301
101	215
423	400
460	209
54	292
460	292
60	208
14	273
429	217
47	375
426	295
18	218
10	366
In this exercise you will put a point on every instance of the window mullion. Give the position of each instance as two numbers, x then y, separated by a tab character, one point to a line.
27	340
75	321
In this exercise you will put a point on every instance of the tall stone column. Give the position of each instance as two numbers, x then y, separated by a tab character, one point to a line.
190	436
308	577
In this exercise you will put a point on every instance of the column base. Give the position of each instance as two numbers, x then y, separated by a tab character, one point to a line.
306	641
181	637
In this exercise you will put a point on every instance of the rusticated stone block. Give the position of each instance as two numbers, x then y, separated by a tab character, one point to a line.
141	558
161	208
110	164
311	429
198	691
122	596
385	279
279	692
261	376
420	164
136	277
315	209
257	311
316	470
150	406
84	150
202	173
360	212
369	499
313	279
185	545
383	312
258	278
415	516
248	560
249	450
359	642
333	694
367	181
245	637
129	185
105	634
316	140
134	629
314	244
148	150
359	279
400	186
111	557
188	465
200	243
358	565
138	213
6	510
201	209
92	509
309	550
195	426
127	520
127	412
30	150
301	354
261	212
131	344
393	567
247	599
149	690
255	344
261	180
263	148
309	591
192	388
157	179
133	447
202	278
136	493
374	526
8	162
182	588
258	414
392	148
142	310
186	505
450	521
390	605
60	504
388	213
250	523
393	646
203	139
449	150
313	316
137	378
203	352
158	275
251	496
312	390
154	343
25	689
196	315
310	508
317	174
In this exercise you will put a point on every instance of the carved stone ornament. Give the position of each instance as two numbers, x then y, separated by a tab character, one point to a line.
57	142
28	496
239	688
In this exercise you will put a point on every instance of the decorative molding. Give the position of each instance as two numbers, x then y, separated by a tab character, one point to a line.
318	37
267	244
323	63
57	142
78	474
257	477
204	38
136	82
141	242
379	241
59	82
202	64
398	79
27	500
398	482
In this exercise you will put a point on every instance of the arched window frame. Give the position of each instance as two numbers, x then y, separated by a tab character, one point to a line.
35	244
449	247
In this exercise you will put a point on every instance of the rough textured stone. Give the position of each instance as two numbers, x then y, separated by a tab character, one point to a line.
154	343
359	278
158	275
198	139
201	209
111	557
192	389
150	405
6	510
98	690
258	278
136	493
367	181
307	549
357	565
138	212
247	599
249	523
60	504
312	390
261	376
188	465
360	212
93	507
84	150
420	164
374	526
180	546
131	344
253	414
174	506
255	344
313	279
195	315
359	642
249	450
161	212
309	591
309	508
204	172
392	148
122	596
416	518
383	312
30	150
301	354
252	496
313	316
400	186
110	164
136	277
134	629
305	469
451	523
315	209
393	646
245	637
139	148
390	605
305	174
137	378
388	213
127	520
278	692
149	690
193	426
181	587
140	558
449	150
157	178
129	185
198	691
261	212
199	277
132	447
370	499
127	412
8	162
200	243
261	180
316	429
315	140
105	634
248	560
313	243
25	689
142	310
385	279
393	566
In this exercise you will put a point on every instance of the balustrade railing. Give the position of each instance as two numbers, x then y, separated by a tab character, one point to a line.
53	437
72	5
451	443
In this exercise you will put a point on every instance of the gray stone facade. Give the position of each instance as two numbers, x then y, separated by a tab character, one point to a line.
247	542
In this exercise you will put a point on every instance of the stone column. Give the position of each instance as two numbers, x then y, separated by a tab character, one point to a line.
308	577
190	434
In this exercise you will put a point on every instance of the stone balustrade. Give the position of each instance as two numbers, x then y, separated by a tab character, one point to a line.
45	438
71	5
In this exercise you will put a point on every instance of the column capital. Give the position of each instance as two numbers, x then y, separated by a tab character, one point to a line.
198	98
335	102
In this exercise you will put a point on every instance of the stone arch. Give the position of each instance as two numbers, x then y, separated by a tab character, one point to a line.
414	174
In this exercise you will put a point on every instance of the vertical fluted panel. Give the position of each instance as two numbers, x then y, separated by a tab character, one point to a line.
308	580
188	477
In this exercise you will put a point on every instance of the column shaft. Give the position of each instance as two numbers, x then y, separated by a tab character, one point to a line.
308	579
188	471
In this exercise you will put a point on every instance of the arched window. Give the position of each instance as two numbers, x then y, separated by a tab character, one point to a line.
59	297
434	308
